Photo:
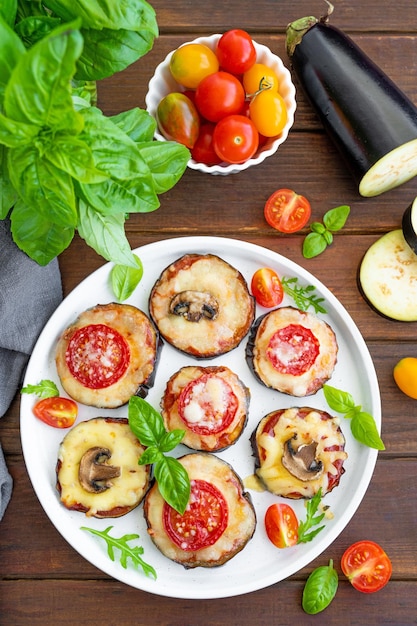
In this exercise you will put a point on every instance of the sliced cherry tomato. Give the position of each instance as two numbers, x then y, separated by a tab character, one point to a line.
260	76
203	150
218	95
268	112
57	412
204	521
191	63
267	287
235	139
287	211
178	119
367	566
97	356
235	51
293	349
281	525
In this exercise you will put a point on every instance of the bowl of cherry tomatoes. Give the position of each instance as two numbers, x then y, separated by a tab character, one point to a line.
229	99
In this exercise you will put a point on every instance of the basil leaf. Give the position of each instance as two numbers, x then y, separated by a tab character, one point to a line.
35	28
173	483
8	195
150	456
320	589
14	134
313	245
8	10
317	227
145	422
11	50
171	439
125	279
338	400
138	124
44	389
166	160
364	429
74	156
336	218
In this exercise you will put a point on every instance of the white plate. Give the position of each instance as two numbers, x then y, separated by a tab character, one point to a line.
260	564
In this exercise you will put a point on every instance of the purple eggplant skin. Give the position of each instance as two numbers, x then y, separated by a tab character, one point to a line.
409	225
365	114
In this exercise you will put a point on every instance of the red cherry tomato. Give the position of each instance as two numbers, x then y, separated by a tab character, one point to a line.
57	412
287	211
267	287
178	119
203	150
281	525
235	139
235	51
367	566
218	95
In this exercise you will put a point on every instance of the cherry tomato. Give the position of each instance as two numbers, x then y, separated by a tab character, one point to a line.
367	566
235	139
281	525
268	112
203	150
218	95
287	211
405	375
191	63
57	412
178	119
267	287
260	76
235	51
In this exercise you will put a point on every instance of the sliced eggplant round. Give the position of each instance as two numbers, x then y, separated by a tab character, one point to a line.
202	306
388	277
409	225
218	522
370	120
299	451
107	355
97	469
210	403
292	351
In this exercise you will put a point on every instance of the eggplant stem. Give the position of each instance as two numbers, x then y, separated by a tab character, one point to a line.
325	18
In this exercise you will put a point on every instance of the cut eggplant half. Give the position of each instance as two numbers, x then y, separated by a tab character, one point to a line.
370	120
409	225
201	305
218	522
388	277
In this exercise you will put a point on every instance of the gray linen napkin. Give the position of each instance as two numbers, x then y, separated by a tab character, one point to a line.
29	294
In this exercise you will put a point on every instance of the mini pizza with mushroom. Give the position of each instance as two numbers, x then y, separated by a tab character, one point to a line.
219	519
210	403
108	354
292	351
201	305
298	451
97	469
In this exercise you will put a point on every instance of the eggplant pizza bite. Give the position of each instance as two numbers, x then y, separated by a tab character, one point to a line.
108	355
201	305
210	403
97	469
292	351
298	451
218	522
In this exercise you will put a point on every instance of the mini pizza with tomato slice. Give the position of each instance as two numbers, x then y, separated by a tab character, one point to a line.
201	305
299	451
210	403
218	522
292	351
107	355
97	469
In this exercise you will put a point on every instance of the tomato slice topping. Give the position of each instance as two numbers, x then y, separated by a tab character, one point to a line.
281	525
207	405
367	566
267	287
287	211
57	412
204	521
293	349
97	356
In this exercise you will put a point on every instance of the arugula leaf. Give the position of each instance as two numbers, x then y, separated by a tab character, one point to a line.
44	389
304	533
322	234
303	296
125	279
126	551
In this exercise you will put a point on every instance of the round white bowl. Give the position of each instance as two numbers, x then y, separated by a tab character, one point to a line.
162	83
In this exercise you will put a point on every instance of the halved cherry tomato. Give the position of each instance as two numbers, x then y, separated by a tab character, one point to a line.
191	63
281	525
260	76
218	95
287	211
235	51
178	119
203	150
57	412
267	287
235	139
268	112
367	566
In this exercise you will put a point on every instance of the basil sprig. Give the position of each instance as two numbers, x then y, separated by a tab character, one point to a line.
322	233
362	424
125	279
172	478
320	589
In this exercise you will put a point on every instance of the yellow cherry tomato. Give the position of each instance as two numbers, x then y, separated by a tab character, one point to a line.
268	112
405	375
260	76
191	63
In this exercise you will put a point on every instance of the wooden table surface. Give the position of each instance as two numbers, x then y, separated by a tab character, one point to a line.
42	579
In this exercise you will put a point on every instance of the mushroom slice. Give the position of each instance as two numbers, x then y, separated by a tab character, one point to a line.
94	474
194	305
301	462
